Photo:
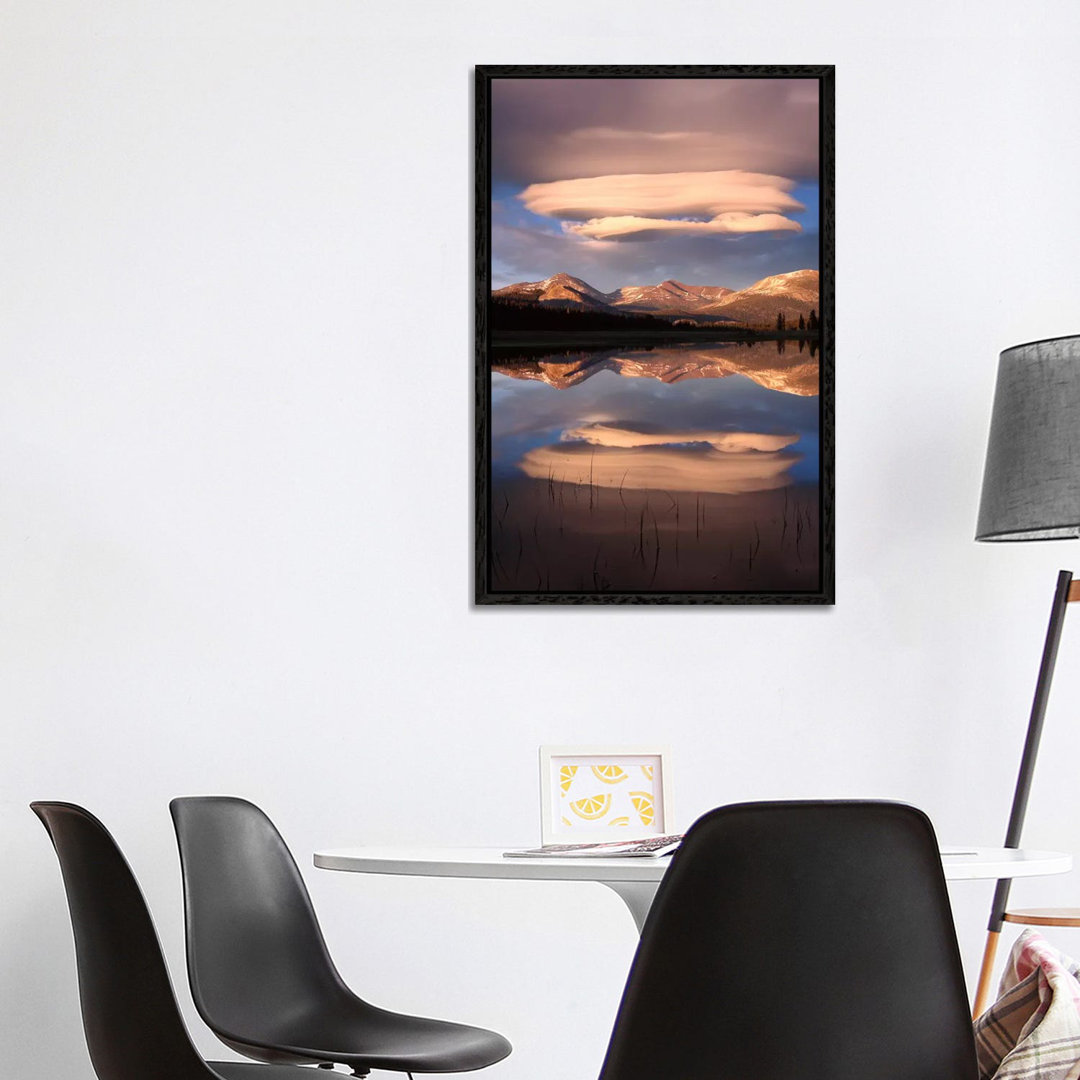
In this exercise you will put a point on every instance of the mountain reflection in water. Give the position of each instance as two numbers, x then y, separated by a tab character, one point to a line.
671	469
791	370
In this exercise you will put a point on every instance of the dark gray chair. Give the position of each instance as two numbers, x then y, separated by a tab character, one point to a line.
259	969
798	941
133	1026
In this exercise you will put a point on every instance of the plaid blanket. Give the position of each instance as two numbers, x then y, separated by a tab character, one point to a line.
1032	1031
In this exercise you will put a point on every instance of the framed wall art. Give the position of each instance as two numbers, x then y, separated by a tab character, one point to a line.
654	335
596	793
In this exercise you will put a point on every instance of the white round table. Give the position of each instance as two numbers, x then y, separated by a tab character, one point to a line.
636	879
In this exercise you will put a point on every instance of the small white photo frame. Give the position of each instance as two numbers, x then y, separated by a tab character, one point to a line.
595	793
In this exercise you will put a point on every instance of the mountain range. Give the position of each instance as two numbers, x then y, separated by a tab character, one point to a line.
791	294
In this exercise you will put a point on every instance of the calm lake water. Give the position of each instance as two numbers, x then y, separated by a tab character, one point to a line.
668	469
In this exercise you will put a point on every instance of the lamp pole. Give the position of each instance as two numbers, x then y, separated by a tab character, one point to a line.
1065	592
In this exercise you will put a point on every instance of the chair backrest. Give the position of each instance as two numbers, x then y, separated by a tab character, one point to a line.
798	941
255	951
132	1022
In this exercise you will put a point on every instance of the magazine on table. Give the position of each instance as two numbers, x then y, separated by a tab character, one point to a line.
649	847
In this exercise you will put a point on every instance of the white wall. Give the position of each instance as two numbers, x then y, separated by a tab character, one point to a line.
236	469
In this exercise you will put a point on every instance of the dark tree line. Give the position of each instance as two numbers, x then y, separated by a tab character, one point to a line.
810	323
526	315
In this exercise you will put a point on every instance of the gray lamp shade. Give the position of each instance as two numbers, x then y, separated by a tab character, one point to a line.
1031	485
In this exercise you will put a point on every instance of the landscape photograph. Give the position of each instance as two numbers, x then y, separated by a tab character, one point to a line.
653	340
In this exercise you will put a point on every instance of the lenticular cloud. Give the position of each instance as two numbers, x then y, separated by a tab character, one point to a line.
644	206
638	228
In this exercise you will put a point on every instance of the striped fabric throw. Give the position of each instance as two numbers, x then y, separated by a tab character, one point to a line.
1032	1031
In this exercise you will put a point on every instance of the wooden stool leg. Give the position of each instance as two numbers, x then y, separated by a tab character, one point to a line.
982	992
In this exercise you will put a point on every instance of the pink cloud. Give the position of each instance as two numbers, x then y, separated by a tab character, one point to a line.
662	195
644	206
640	228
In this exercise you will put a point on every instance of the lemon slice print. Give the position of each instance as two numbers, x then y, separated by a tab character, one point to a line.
643	804
646	771
566	777
609	774
592	808
619	821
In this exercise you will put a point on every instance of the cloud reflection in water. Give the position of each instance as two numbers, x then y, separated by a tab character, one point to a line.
679	465
728	419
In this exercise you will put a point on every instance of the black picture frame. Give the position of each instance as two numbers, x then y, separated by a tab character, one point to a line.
487	590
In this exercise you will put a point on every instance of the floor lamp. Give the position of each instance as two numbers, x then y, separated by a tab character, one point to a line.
1031	491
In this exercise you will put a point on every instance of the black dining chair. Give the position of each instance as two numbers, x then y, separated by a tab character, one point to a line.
798	941
259	969
133	1026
